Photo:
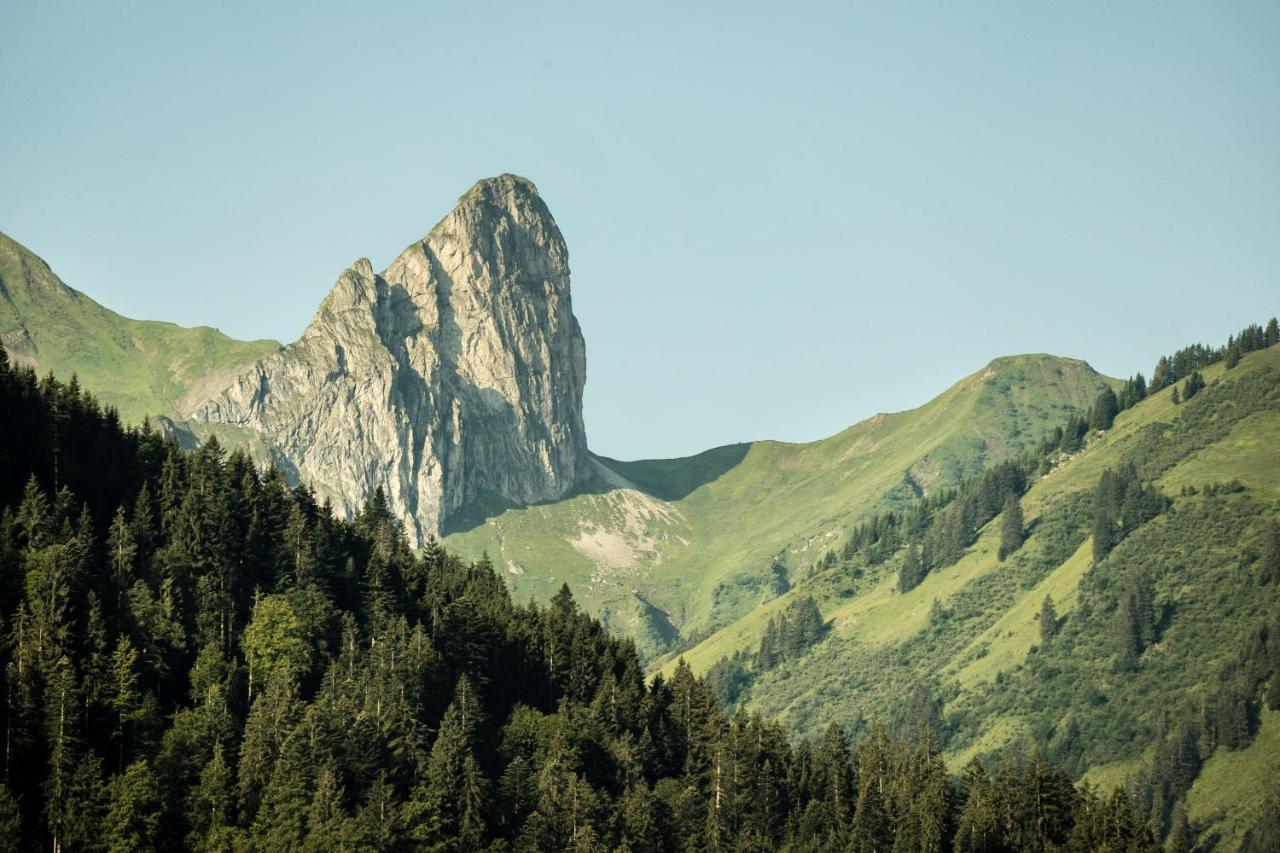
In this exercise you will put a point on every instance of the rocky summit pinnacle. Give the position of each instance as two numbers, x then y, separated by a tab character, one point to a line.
455	373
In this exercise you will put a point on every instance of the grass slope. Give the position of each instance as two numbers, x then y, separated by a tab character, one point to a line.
970	633
695	544
141	367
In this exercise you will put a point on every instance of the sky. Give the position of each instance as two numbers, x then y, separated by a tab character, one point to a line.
781	218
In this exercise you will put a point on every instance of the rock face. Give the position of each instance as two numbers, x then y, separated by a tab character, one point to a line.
455	373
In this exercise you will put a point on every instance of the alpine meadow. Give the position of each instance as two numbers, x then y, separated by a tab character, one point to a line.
378	569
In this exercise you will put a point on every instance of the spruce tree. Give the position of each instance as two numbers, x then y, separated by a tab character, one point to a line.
1048	620
10	816
133	819
1269	562
1103	412
1011	527
912	570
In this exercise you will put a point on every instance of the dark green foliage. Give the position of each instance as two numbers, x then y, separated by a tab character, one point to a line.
942	525
912	570
1133	392
1048	621
1269	562
1104	410
790	634
1011	527
223	665
1188	360
1194	385
1121	504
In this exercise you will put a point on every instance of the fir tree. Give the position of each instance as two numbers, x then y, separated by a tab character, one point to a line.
912	570
1011	527
1048	620
1103	412
133	819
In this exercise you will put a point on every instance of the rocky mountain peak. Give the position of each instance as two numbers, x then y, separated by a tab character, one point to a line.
456	372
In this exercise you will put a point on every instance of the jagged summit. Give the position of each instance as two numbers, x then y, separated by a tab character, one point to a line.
455	372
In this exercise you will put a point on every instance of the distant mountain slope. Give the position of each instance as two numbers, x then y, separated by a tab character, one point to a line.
141	367
667	548
965	648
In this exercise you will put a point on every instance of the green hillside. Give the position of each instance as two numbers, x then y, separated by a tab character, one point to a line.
141	367
964	652
677	548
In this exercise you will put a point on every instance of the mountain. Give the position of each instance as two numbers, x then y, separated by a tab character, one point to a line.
202	659
454	374
1152	669
670	550
141	367
1041	561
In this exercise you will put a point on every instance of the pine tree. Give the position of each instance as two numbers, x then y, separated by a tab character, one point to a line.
1180	831
1268	570
10	816
562	602
124	699
1193	385
1011	527
122	551
638	816
980	827
872	830
133	818
210	804
1103	412
452	801
326	819
912	570
1048	620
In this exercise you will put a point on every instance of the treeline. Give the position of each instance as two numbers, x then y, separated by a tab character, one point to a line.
197	656
1185	364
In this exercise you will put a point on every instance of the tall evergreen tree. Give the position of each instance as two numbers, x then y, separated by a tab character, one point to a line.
1011	527
912	570
1048	620
1104	410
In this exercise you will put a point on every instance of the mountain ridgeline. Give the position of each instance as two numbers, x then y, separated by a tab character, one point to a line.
280	614
199	657
1111	598
454	375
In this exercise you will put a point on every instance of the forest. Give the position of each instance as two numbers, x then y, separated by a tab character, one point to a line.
197	656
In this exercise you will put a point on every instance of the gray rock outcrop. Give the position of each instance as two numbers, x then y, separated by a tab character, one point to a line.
455	373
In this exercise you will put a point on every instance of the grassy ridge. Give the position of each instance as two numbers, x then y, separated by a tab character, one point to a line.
708	540
970	633
141	367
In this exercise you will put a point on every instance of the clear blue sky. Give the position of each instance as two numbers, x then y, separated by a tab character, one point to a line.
780	220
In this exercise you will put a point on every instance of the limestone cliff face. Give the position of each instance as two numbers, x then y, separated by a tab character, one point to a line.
456	371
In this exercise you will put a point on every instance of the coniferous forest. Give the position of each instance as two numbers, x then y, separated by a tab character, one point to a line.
197	656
